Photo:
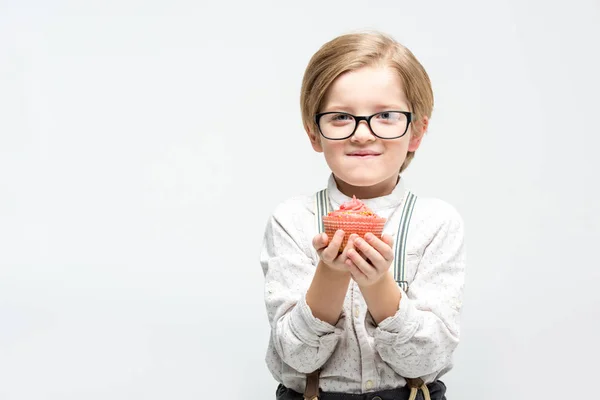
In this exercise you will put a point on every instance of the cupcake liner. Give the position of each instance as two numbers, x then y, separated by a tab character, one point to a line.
360	226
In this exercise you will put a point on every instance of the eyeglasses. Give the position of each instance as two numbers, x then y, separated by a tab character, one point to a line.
335	125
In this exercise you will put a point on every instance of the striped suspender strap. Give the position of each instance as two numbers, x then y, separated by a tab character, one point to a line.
400	253
322	204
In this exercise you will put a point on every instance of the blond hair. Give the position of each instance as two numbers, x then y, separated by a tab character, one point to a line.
356	50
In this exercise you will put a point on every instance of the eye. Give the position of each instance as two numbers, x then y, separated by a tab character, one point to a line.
340	117
390	117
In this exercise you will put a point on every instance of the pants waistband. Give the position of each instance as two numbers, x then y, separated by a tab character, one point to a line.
437	391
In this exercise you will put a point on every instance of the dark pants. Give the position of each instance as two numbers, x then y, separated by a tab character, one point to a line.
437	390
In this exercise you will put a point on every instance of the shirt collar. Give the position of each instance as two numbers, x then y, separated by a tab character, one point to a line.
391	200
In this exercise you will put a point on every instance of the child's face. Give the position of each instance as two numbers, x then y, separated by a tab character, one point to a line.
364	92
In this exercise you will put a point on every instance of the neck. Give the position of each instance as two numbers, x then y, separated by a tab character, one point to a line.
380	189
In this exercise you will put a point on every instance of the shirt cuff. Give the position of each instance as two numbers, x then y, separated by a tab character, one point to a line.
307	327
401	326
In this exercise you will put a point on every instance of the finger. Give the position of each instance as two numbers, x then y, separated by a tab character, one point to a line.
383	247
356	273
361	263
388	239
349	245
370	253
331	252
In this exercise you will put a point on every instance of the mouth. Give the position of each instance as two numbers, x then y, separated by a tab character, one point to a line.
364	154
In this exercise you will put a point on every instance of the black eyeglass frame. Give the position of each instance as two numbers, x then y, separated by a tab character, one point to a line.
358	118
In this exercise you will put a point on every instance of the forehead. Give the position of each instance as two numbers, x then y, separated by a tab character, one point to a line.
366	88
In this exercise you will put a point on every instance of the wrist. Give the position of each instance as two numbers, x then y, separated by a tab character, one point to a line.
332	271
382	298
385	281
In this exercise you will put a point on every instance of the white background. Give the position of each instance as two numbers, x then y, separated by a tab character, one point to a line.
143	146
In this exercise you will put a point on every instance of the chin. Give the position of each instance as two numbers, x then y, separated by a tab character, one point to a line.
360	180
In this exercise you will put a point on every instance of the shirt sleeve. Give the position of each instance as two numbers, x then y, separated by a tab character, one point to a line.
301	340
421	337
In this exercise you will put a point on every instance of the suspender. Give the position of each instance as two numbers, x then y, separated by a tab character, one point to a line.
400	251
323	208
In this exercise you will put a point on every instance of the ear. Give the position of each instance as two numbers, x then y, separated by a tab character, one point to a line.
315	140
419	130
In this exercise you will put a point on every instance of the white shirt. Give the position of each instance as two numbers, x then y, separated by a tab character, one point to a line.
356	355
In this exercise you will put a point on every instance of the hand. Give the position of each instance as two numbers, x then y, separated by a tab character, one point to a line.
370	259
329	252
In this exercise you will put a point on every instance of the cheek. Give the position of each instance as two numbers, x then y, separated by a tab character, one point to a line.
396	154
398	149
333	149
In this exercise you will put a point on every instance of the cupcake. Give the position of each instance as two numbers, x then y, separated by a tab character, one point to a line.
353	217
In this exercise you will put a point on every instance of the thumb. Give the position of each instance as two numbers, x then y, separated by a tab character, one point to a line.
324	239
320	241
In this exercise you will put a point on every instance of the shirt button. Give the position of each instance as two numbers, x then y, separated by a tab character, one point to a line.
369	385
356	311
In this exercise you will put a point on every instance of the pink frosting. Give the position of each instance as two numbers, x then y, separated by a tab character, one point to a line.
353	207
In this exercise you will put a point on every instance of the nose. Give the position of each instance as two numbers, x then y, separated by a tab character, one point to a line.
363	133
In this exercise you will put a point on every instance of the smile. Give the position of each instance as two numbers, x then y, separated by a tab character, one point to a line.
372	155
